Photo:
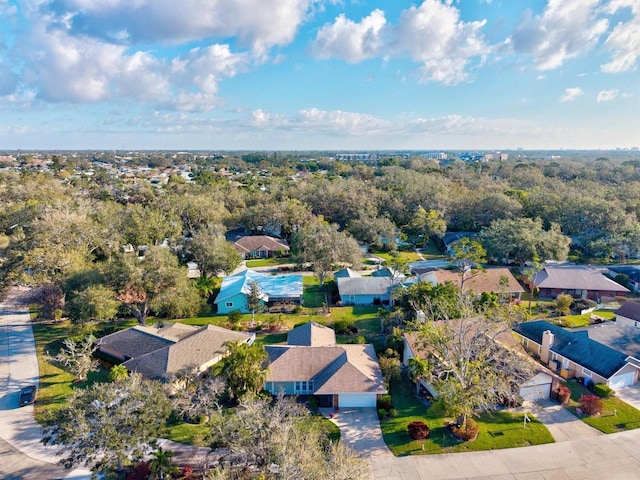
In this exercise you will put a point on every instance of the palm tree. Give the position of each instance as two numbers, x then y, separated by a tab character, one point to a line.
118	373
160	465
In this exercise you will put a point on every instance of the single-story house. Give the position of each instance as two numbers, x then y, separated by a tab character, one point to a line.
261	246
574	353
628	314
539	386
632	273
312	364
273	289
159	351
364	290
496	280
579	281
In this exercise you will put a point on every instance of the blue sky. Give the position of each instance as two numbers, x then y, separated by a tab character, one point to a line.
319	74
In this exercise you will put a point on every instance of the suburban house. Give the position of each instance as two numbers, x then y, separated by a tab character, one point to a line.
365	290
311	363
159	351
539	386
628	314
632	273
261	246
497	280
575	354
274	289
576	280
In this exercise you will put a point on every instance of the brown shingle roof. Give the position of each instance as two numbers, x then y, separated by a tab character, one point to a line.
337	369
482	281
312	334
193	346
260	243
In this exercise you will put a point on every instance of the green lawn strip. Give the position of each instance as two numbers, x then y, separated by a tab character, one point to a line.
497	430
187	433
616	415
573	321
269	262
407	256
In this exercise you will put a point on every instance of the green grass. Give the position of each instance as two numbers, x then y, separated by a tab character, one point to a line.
616	416
497	430
407	256
573	321
269	262
187	433
57	384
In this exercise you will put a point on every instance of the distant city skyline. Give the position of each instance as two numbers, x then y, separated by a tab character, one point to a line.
319	75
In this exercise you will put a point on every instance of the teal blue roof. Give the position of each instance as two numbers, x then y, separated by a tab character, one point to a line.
271	286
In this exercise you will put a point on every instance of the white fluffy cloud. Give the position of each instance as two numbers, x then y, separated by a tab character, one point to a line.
350	40
256	23
624	41
571	94
564	30
606	95
431	34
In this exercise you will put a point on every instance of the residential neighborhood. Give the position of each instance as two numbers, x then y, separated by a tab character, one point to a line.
209	313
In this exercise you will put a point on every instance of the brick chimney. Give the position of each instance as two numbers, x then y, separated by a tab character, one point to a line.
547	343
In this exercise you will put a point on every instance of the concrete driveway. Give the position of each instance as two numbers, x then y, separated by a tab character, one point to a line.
360	429
630	395
561	423
19	368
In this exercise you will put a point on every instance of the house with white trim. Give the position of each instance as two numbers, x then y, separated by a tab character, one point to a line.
575	354
313	364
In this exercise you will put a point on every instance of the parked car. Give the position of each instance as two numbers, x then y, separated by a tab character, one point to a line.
28	395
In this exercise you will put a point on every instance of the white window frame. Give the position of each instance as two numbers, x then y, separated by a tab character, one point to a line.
587	372
565	363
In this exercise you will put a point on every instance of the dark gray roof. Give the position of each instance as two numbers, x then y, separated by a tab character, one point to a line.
576	346
623	338
632	272
629	310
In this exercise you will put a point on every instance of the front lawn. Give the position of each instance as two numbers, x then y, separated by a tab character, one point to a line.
408	256
497	430
573	321
269	262
616	416
56	384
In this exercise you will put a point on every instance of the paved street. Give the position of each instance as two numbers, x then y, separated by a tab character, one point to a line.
18	368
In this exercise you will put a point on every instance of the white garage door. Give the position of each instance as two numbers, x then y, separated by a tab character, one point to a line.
356	400
619	381
535	392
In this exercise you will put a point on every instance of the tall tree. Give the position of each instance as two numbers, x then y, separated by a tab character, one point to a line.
468	254
96	302
278	440
109	425
77	356
140	281
213	252
255	300
524	239
323	246
467	366
243	369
